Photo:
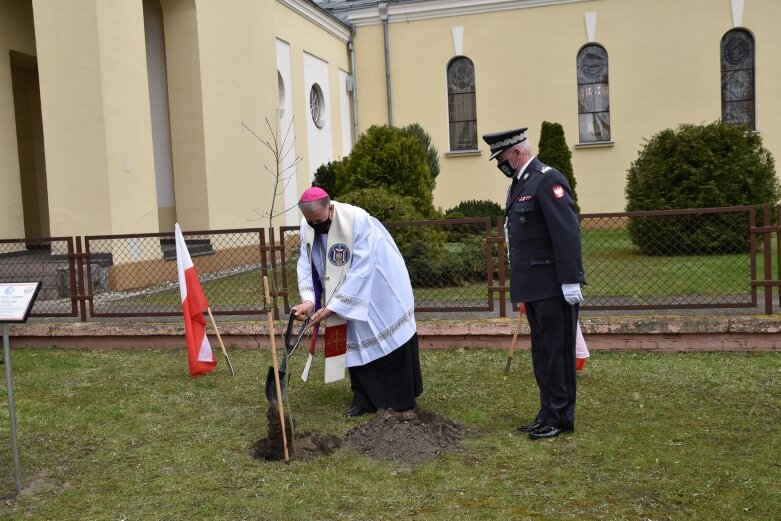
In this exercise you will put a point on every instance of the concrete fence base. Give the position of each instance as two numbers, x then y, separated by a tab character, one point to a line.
603	333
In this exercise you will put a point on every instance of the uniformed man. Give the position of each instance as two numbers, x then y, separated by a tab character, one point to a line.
546	273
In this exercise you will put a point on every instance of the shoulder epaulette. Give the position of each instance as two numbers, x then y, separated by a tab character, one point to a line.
544	169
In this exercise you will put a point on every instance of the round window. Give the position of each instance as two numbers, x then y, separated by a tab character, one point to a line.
317	105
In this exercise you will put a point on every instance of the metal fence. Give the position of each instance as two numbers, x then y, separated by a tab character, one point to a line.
676	259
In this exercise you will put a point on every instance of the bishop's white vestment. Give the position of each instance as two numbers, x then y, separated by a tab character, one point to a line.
373	294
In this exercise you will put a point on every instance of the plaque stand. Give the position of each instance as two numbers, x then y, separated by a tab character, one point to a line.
16	302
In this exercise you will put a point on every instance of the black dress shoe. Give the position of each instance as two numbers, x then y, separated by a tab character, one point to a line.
533	426
355	410
549	431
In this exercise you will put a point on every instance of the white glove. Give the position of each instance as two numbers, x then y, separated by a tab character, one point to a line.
572	293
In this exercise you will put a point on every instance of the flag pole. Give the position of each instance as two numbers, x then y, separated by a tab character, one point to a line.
272	336
227	358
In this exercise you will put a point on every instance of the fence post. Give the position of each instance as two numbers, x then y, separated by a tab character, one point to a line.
78	289
500	253
778	252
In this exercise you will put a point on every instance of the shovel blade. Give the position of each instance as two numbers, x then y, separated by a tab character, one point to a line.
271	386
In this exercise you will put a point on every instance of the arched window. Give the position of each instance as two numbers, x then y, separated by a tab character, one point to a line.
737	78
593	94
462	111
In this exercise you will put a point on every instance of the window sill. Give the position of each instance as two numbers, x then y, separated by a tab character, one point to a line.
596	144
459	153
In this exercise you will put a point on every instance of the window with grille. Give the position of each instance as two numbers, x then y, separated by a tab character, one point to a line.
462	111
737	78
593	94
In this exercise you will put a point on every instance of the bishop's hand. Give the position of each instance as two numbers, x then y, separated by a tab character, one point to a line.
302	310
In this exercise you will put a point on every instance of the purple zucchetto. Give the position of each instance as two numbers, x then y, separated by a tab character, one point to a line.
313	194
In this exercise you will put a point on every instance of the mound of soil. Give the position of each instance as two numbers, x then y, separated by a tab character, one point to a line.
406	438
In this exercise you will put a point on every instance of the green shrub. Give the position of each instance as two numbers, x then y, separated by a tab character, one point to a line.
698	166
385	156
416	131
554	152
429	267
431	261
470	209
386	207
325	177
383	204
476	208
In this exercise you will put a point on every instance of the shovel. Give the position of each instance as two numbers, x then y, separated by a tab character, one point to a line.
290	346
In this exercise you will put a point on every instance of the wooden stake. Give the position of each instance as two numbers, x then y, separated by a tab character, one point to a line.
224	352
513	344
272	336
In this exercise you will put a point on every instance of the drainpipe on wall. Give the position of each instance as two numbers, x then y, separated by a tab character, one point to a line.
384	17
354	88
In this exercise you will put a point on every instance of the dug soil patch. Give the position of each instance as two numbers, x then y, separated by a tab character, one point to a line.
406	438
307	444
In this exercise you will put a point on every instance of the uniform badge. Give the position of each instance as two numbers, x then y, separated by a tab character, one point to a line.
525	176
339	254
558	191
522	198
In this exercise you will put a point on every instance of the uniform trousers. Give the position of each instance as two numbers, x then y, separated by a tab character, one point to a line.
553	326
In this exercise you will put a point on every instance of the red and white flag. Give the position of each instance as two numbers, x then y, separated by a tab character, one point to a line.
199	351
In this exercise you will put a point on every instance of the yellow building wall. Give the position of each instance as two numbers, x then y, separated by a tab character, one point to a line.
95	111
16	34
664	70
185	104
304	37
237	71
239	83
222	73
127	124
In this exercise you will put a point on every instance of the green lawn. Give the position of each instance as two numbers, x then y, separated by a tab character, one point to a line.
112	435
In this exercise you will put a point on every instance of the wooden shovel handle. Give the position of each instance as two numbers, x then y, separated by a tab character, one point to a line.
513	344
272	336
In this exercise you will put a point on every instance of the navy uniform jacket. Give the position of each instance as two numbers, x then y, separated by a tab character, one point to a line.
544	235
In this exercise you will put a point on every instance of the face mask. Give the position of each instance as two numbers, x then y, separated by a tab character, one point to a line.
506	169
322	227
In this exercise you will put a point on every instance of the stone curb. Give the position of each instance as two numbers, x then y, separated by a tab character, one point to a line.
605	333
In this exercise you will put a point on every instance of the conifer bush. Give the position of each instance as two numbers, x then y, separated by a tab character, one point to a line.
698	166
473	208
432	155
554	152
386	156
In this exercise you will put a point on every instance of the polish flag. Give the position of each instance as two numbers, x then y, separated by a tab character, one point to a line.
194	303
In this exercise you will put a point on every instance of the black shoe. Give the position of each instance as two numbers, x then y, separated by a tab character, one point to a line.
549	431
355	410
533	426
